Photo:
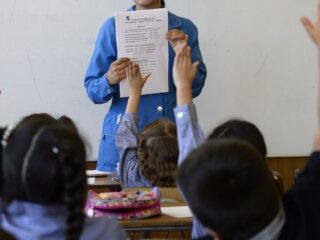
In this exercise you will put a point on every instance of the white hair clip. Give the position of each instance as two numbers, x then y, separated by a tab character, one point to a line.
55	150
7	133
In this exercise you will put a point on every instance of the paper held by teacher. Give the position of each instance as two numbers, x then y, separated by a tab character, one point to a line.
141	36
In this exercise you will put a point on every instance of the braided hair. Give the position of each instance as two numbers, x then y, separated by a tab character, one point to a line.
53	145
158	152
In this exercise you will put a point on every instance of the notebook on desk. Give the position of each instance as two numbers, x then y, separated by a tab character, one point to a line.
97	173
177	212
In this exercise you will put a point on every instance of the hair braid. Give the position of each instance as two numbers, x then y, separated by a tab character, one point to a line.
157	149
74	188
60	154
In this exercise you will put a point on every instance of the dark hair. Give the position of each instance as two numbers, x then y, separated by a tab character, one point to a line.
229	188
243	130
2	130
163	4
5	236
248	132
44	162
158	152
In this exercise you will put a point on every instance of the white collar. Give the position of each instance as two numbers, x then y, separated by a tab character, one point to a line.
273	230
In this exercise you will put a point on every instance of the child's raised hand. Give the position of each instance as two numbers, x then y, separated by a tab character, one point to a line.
316	142
313	29
134	78
184	71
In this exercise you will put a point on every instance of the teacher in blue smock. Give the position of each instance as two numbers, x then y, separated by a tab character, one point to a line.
106	70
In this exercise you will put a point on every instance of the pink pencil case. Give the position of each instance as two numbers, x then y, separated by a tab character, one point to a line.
124	205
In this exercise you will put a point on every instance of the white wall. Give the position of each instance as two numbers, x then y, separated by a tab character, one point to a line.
261	66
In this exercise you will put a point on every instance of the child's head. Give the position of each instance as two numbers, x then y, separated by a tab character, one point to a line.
248	132
43	161
243	130
158	152
229	188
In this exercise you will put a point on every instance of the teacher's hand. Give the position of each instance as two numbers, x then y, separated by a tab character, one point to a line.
117	70
177	38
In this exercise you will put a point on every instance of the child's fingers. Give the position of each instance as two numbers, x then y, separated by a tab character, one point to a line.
178	57
145	78
318	10
127	72
309	28
188	52
130	71
136	69
185	54
316	142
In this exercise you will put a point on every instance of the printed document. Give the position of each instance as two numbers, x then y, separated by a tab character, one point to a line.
141	36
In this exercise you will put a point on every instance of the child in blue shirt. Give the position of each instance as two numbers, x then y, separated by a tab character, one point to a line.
149	158
264	222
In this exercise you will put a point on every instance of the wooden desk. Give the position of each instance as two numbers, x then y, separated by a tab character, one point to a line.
158	224
284	165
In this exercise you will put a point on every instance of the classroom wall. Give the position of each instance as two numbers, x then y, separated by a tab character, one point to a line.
261	66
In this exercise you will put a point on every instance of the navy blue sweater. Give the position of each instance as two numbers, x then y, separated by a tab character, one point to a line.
302	203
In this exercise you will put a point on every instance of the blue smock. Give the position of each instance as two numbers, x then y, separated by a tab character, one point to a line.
152	106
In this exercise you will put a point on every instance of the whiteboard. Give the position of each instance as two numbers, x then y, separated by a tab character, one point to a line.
261	66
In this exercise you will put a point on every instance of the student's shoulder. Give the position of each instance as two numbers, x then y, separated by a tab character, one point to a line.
102	228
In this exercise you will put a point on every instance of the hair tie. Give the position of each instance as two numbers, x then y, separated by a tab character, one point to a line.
55	150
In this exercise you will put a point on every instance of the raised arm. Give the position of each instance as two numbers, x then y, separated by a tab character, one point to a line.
190	135
314	33
127	134
136	83
176	38
184	72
